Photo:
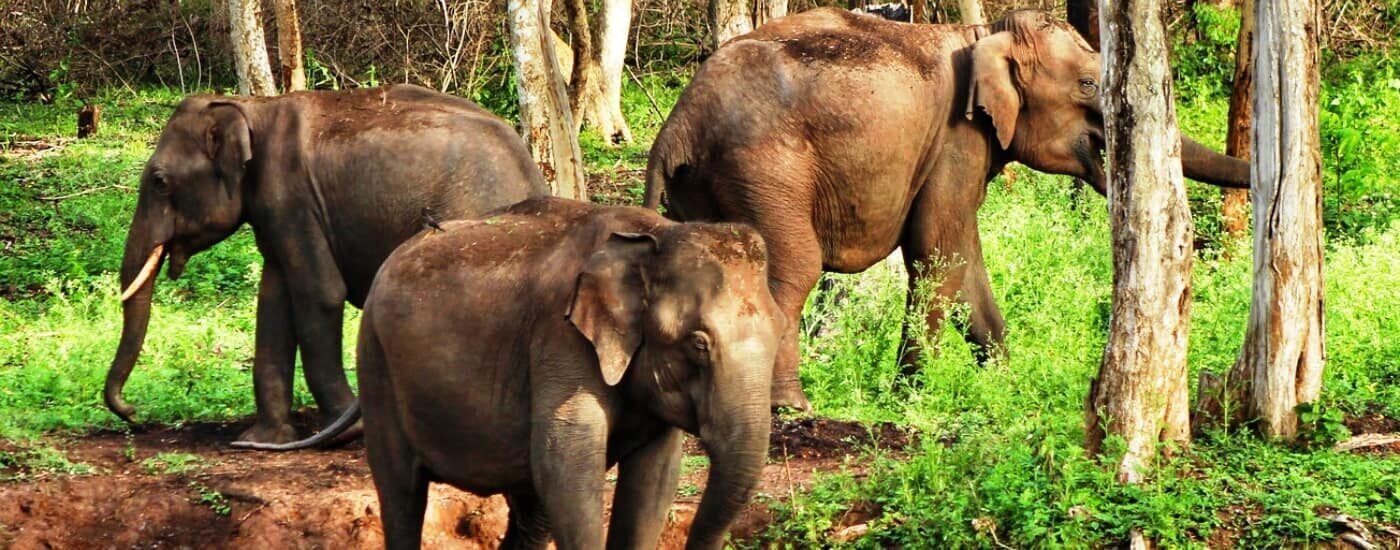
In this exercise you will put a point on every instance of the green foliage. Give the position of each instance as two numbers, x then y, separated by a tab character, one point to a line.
1203	55
215	500
37	461
1320	425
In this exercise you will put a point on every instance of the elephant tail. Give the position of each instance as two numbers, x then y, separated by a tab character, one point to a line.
346	420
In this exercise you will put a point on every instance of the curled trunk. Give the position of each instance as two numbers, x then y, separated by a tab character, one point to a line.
136	315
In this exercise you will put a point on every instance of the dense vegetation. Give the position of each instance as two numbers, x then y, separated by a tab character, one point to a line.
999	460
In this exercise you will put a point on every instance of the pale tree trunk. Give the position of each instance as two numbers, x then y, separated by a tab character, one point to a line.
1281	363
1234	206
545	120
971	12
1083	15
731	18
249	49
289	45
595	96
1140	393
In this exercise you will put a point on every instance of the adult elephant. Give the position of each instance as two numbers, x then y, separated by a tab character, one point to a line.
331	183
841	136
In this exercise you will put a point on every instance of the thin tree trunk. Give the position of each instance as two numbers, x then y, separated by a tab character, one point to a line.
1234	206
249	49
1140	391
596	85
730	18
919	13
768	10
1281	363
971	12
1083	15
546	123
289	45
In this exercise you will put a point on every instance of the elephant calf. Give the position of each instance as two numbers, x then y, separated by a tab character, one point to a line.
527	352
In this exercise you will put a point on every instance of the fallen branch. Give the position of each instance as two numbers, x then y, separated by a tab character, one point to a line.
1365	441
88	191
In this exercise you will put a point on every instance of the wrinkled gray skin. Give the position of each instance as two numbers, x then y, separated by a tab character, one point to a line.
527	352
841	136
331	183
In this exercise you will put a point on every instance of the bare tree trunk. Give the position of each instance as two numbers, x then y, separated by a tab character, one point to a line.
1234	205
249	50
1140	392
596	84
1281	363
919	13
1083	15
546	123
731	18
971	12
289	45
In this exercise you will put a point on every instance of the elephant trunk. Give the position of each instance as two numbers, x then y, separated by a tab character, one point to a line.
140	262
737	443
1200	163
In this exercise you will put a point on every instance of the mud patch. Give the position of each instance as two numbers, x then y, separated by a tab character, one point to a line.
183	487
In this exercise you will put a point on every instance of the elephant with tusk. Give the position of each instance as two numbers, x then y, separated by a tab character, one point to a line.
330	182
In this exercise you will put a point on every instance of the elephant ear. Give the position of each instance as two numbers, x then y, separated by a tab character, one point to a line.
992	88
229	143
609	300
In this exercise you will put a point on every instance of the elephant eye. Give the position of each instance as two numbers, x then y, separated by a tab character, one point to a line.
1087	83
701	341
160	185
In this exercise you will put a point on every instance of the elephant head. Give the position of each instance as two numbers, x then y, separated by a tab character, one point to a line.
1038	81
684	321
190	197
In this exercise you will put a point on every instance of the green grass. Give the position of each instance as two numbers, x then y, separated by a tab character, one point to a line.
1000	461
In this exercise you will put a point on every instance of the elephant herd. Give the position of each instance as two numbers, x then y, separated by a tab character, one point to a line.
528	343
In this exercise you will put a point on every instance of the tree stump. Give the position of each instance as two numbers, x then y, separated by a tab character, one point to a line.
89	117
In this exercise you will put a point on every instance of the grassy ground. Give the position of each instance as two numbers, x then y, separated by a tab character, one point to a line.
1000	460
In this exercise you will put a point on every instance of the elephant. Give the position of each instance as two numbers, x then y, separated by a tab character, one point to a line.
840	136
527	352
330	182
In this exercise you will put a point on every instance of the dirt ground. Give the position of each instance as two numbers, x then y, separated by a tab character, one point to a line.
324	499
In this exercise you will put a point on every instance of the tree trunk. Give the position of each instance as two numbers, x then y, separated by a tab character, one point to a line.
971	12
731	18
919	13
1233	208
595	96
249	50
546	123
1281	363
289	45
1140	392
1083	15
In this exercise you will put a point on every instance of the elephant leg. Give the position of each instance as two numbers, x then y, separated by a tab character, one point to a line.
529	527
646	487
985	328
568	460
318	302
274	357
401	483
936	254
794	266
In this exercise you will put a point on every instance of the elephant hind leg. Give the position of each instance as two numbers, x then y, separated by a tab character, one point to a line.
529	527
399	475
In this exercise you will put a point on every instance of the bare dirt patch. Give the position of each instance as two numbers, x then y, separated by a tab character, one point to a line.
182	487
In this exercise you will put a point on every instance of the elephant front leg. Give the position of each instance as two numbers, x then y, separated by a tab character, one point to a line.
568	460
273	360
646	487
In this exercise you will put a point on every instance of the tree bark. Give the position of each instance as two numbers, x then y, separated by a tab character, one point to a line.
1140	392
1234	205
595	96
546	122
249	49
293	75
1083	15
731	18
919	12
971	12
1281	363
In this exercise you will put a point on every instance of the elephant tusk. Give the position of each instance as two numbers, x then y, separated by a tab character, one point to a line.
146	272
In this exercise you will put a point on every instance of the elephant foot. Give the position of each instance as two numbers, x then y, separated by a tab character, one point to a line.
791	396
269	433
